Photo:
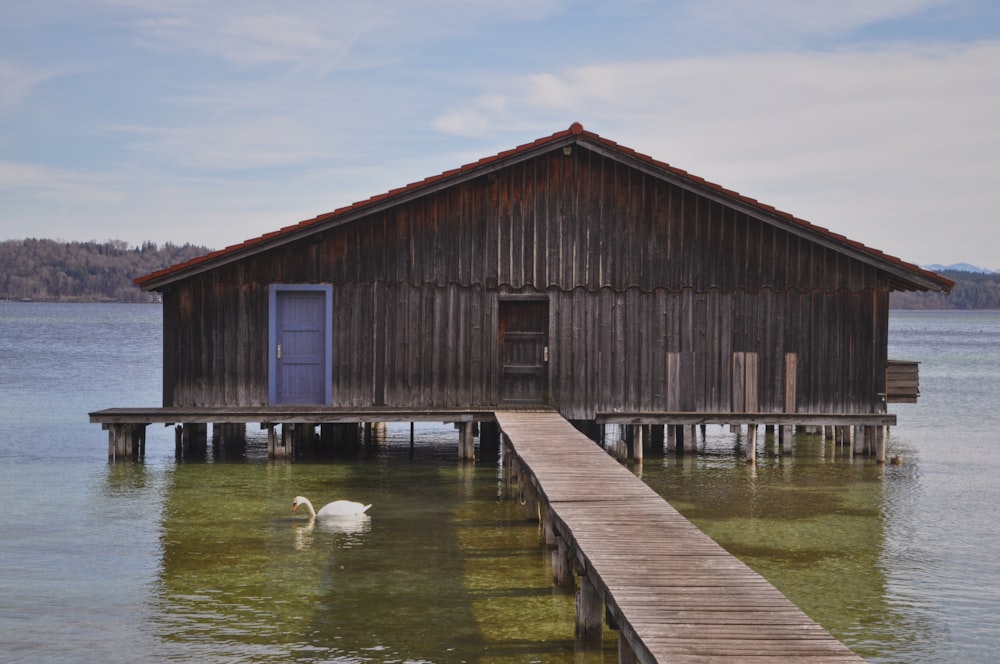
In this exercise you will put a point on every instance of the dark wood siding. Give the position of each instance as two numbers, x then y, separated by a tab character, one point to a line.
652	289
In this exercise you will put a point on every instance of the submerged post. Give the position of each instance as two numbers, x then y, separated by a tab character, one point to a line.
466	441
671	442
126	442
752	443
589	613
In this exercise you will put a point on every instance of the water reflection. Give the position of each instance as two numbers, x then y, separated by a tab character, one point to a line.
347	530
439	571
814	523
447	569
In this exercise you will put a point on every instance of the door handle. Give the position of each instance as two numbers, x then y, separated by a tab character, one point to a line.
545	354
279	351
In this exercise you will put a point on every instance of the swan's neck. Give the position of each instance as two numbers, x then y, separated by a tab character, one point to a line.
309	506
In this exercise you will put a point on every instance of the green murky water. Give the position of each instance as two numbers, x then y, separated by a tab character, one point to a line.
443	570
204	561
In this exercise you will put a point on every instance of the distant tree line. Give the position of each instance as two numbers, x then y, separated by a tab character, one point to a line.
973	290
54	271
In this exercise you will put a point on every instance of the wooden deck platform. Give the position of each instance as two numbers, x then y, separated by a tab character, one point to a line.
126	426
755	418
280	415
675	595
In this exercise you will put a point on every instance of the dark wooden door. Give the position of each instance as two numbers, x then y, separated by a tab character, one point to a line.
524	341
300	347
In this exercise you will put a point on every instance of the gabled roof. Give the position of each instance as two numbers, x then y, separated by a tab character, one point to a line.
902	275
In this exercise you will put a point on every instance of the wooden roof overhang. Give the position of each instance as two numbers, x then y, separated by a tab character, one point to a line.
900	275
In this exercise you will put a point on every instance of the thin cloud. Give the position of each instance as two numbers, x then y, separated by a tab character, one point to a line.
805	19
863	141
28	181
19	83
261	142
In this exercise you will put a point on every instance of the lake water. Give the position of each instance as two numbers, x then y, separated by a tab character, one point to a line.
203	560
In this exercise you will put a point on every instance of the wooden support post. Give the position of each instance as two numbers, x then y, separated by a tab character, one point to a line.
489	440
861	436
626	655
466	441
656	438
140	433
589	613
637	442
190	439
562	565
126	442
272	441
881	436
785	437
527	495
690	438
549	536
279	445
752	443
672	431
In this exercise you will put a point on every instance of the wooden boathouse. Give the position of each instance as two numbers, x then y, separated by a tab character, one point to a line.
570	272
570	278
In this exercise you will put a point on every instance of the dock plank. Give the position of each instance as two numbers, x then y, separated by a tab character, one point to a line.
676	594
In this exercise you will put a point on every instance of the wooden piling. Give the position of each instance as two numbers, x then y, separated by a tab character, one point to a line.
190	440
626	655
589	613
126	442
527	495
881	434
489	440
671	442
562	565
466	441
656	438
690	438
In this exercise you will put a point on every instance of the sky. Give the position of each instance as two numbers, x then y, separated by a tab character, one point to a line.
211	123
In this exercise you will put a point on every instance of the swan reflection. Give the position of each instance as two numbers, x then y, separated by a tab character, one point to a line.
349	530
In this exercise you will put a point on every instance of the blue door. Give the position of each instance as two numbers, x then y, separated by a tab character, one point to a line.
301	372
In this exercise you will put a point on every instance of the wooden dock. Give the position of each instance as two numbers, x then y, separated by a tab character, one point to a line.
127	426
674	594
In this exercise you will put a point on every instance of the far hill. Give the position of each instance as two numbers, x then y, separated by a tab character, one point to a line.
54	271
973	290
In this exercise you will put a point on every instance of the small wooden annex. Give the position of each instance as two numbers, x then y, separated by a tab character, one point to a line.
570	272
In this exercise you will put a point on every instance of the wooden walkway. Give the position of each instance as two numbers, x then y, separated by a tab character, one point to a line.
675	595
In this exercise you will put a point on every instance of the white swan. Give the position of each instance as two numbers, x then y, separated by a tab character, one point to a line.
336	508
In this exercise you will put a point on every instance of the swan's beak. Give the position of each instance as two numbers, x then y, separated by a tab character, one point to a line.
294	506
